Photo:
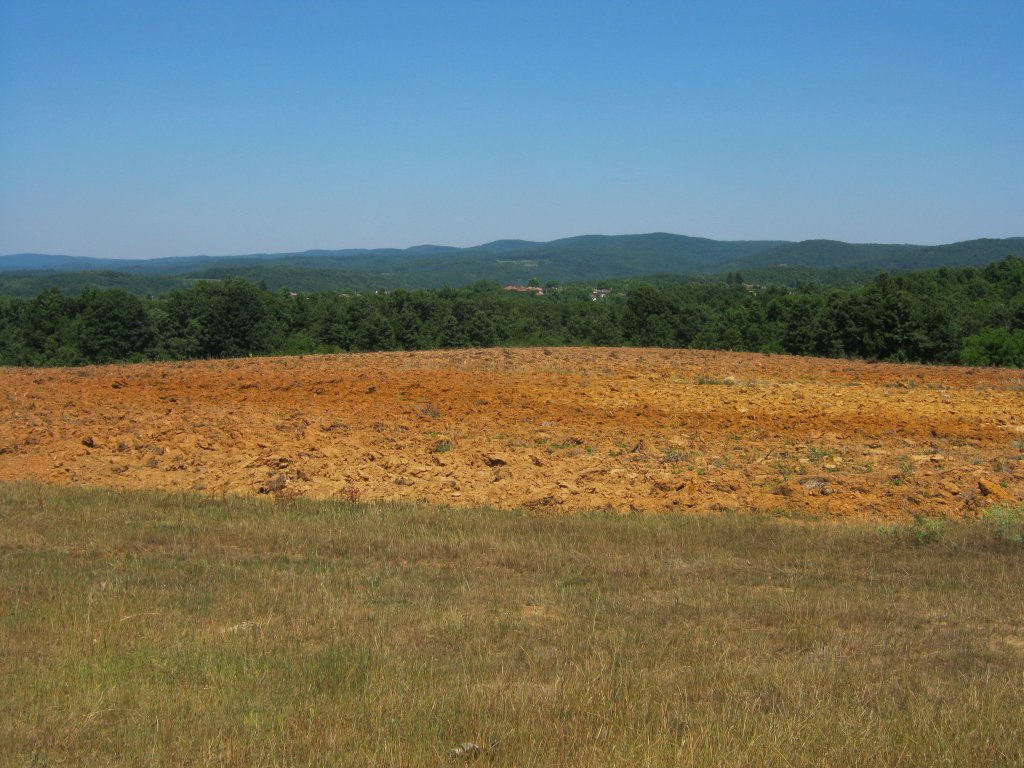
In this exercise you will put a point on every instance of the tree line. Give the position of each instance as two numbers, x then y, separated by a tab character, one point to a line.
971	316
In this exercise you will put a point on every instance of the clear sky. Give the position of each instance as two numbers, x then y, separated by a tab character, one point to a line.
139	129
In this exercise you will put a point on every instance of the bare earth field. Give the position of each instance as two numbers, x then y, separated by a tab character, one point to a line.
559	430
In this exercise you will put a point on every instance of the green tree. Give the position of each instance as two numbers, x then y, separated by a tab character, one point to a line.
647	318
370	330
228	319
47	329
994	346
112	326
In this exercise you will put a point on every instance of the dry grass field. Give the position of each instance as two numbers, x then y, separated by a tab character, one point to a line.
157	629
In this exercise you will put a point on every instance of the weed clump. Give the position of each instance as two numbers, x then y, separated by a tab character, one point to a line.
1005	523
928	530
922	531
1000	524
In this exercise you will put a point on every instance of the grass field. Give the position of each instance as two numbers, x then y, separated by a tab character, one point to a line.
153	629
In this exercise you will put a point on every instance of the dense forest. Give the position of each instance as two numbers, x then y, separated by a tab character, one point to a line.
28	283
973	316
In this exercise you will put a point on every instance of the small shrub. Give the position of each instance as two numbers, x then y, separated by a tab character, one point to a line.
1006	523
924	530
927	530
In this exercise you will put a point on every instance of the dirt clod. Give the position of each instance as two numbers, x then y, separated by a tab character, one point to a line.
275	484
990	489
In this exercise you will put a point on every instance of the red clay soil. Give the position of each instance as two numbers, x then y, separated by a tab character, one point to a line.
559	430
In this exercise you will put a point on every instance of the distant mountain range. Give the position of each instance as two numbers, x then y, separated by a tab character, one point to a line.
574	259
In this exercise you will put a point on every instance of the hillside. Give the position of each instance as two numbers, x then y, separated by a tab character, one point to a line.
650	252
882	257
574	259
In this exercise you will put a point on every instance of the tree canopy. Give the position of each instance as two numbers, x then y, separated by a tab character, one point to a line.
971	316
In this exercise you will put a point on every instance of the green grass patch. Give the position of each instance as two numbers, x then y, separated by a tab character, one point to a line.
154	629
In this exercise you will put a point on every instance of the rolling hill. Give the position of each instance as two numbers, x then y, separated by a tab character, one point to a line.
881	257
573	259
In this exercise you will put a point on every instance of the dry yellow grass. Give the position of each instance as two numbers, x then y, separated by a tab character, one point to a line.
152	629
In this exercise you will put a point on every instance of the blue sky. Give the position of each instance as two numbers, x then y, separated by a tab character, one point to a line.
139	129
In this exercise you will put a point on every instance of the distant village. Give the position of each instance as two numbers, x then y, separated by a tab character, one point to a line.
536	290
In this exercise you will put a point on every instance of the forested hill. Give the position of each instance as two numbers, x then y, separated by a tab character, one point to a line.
575	259
656	252
878	257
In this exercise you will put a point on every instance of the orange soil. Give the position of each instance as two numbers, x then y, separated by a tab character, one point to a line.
562	430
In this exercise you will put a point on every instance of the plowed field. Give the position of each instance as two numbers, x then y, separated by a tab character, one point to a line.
560	430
